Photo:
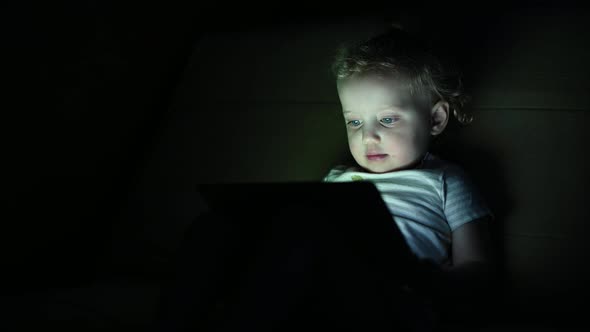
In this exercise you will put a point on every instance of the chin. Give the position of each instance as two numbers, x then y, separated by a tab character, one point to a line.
382	169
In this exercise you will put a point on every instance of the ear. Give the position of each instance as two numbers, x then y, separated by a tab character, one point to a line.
439	117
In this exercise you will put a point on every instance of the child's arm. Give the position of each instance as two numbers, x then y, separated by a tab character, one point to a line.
468	283
471	244
473	266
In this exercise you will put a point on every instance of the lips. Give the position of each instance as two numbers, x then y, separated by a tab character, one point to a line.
376	156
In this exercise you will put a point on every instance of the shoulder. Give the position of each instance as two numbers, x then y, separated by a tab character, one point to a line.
456	183
461	197
450	171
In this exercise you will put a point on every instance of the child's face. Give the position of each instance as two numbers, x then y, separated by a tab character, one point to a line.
387	131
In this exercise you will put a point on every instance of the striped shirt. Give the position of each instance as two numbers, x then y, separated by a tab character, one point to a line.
427	203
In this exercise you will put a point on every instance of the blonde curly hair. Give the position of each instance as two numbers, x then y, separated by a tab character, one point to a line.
398	52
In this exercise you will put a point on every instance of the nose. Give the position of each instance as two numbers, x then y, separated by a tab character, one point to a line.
371	135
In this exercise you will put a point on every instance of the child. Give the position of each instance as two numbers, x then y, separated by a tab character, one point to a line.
394	100
397	97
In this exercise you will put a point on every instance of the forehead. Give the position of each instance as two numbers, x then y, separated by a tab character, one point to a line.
369	91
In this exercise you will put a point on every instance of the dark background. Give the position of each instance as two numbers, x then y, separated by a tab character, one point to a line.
112	112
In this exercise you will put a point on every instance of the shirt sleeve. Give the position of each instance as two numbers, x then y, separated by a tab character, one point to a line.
462	201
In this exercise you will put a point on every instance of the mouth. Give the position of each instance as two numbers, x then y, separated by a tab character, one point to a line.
376	157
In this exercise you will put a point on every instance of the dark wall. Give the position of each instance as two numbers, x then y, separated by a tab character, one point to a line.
88	87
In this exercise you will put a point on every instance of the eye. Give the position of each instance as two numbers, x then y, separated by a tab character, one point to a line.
388	121
353	123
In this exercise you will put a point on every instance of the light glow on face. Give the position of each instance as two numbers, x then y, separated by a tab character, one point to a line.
386	129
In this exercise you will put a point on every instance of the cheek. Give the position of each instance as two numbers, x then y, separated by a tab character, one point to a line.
394	139
421	137
353	145
403	143
353	137
354	142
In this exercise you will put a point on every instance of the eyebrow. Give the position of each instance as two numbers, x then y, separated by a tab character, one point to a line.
400	107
